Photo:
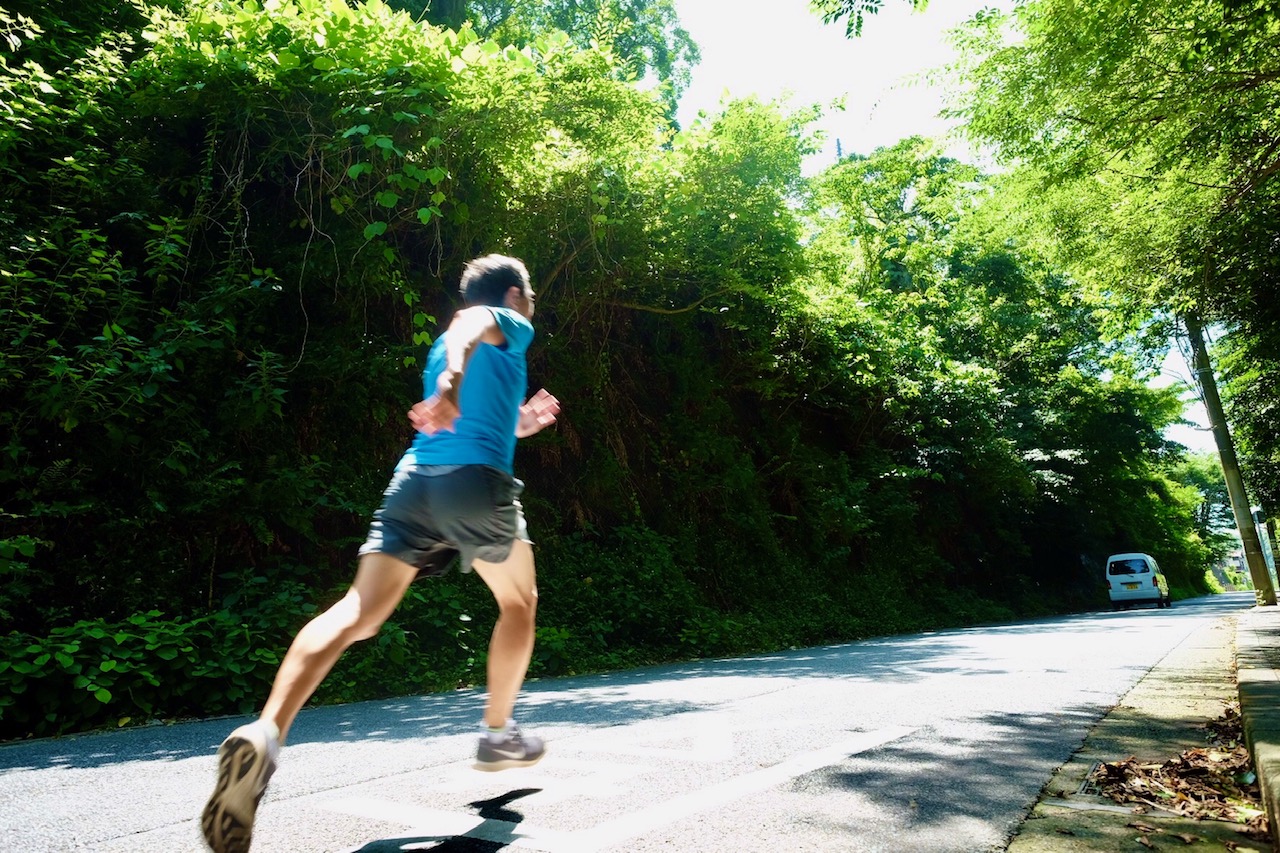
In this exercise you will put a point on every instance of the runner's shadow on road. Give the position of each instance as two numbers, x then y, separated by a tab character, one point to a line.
496	833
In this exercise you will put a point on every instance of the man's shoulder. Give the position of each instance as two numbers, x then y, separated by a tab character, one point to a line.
510	315
515	327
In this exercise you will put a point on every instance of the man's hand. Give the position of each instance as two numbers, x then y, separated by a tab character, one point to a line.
434	414
540	411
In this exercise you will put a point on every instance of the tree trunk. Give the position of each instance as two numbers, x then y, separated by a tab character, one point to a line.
1263	589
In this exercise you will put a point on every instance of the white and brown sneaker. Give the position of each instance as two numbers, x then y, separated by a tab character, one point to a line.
246	760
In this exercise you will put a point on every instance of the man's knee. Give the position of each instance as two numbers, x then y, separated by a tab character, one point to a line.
365	629
355	622
519	605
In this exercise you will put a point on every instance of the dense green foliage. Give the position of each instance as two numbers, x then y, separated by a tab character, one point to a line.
1152	125
644	35
796	410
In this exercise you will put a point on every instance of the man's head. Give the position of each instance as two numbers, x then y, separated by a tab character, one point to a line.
498	281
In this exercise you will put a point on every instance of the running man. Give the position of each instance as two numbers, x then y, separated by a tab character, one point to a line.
452	495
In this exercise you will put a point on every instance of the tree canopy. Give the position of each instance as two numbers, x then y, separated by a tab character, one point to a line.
644	34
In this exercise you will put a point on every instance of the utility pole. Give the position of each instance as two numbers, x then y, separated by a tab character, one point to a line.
1264	591
1264	521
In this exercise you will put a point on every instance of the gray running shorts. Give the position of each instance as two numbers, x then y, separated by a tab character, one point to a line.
472	512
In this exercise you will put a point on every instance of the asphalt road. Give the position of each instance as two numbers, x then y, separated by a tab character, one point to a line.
933	742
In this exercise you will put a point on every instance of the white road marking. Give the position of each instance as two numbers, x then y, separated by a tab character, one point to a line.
436	823
567	778
703	742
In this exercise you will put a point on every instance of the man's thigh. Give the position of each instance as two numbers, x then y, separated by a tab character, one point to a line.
513	579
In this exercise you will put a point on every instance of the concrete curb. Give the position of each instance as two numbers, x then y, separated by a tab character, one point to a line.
1258	680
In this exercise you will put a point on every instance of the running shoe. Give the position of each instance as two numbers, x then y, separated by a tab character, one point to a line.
514	750
246	760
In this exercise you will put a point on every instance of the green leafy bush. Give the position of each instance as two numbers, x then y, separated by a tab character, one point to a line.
98	673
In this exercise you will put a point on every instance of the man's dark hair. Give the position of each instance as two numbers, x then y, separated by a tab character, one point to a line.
485	281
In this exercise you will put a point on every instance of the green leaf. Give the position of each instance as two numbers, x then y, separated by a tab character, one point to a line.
103	695
387	198
374	229
361	129
323	63
358	169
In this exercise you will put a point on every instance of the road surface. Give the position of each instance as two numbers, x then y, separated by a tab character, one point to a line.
933	742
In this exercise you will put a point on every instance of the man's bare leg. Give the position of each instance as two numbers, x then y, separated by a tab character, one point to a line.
380	584
247	758
514	586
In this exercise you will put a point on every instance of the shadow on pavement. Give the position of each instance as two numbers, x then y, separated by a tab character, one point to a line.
907	776
499	820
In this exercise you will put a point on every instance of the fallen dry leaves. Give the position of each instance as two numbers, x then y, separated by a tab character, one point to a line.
1215	782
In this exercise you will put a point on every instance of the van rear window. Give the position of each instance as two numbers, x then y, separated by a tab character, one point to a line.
1127	567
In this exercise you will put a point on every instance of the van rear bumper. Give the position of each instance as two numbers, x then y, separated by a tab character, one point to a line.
1135	596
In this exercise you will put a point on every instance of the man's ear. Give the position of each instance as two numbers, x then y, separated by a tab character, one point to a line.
512	299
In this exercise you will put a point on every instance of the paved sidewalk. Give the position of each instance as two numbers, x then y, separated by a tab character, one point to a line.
1258	675
1163	715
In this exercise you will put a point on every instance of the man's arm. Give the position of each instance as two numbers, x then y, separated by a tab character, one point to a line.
469	328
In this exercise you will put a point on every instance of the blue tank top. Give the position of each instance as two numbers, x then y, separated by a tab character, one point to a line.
493	389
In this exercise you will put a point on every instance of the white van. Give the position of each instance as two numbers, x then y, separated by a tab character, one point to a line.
1136	579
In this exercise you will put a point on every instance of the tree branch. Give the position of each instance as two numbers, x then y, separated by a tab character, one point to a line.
654	310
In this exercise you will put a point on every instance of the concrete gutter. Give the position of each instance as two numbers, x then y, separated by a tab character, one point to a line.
1258	680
